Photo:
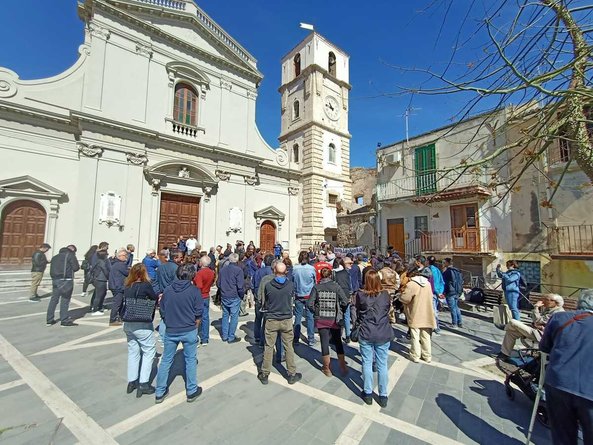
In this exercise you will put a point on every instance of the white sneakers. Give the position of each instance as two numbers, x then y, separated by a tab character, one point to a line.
97	313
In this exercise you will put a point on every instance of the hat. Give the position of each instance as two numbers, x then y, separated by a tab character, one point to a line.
45	246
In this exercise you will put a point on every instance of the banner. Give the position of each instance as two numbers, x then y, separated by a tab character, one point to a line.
352	250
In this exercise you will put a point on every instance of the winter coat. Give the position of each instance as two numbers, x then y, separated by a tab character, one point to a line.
63	265
417	300
38	261
439	283
231	281
342	277
101	270
510	281
328	301
117	276
373	315
355	278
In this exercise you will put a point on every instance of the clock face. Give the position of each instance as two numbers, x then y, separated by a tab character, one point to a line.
331	107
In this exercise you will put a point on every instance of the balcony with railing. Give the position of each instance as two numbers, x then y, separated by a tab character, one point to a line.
433	184
172	4
573	241
454	241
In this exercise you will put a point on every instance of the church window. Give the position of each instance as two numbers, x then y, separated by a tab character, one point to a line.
296	110
331	154
295	153
297	65
331	63
185	110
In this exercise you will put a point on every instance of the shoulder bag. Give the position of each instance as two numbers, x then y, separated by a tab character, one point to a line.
138	309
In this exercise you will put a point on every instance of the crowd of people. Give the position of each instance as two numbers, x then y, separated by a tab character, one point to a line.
342	297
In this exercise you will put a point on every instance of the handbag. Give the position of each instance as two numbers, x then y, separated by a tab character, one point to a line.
355	331
138	309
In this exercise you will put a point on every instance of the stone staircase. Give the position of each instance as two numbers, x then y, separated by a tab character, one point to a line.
21	279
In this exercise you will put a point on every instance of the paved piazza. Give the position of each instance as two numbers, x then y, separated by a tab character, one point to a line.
67	385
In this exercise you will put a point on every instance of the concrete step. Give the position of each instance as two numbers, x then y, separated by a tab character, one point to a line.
10	280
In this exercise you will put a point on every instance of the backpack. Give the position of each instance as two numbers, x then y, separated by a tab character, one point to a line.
58	265
477	296
456	285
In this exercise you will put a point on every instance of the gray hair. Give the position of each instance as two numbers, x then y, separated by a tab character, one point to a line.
557	298
233	258
276	261
150	251
121	250
585	300
205	261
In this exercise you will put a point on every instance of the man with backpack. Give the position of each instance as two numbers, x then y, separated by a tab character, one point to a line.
453	290
63	266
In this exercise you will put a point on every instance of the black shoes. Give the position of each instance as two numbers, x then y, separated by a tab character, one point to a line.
159	399
195	395
68	323
383	401
35	299
368	398
347	339
234	340
262	378
50	323
132	386
292	379
144	388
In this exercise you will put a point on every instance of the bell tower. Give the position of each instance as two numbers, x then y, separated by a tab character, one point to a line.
314	133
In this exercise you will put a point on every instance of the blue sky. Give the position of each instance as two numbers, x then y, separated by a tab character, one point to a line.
41	38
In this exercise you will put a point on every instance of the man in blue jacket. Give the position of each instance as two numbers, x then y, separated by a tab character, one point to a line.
231	282
438	287
304	277
117	278
569	386
181	307
165	275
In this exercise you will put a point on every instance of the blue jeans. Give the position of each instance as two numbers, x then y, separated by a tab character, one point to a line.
141	344
162	332
300	306
452	302
513	302
347	322
190	343
435	305
379	350
205	326
565	411
230	318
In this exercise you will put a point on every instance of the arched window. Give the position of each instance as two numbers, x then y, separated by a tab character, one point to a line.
331	154
295	153
296	110
331	63
297	65
185	110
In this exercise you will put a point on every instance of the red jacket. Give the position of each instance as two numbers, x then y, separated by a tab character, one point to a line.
204	280
321	265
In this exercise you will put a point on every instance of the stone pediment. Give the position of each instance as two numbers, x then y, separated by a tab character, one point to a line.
185	22
29	186
269	213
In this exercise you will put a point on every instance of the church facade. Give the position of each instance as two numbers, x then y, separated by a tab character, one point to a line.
151	134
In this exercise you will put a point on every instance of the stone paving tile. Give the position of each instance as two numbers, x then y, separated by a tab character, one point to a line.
241	410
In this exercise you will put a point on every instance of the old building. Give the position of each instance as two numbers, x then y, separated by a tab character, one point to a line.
428	202
151	134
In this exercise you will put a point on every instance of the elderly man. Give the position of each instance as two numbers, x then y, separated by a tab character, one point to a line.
277	305
541	314
117	278
569	386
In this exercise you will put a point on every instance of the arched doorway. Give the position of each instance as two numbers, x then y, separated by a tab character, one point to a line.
23	229
267	236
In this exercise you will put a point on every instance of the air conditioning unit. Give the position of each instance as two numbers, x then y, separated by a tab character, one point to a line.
393	158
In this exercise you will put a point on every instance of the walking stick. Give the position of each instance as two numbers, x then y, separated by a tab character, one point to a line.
540	388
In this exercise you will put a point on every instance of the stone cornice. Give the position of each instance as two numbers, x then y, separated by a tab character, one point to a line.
307	71
243	66
306	126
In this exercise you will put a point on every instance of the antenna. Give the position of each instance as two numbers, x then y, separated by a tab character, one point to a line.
406	115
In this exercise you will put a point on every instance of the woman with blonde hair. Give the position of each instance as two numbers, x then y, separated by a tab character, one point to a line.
370	312
139	304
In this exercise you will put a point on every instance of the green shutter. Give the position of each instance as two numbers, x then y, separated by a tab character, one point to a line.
425	164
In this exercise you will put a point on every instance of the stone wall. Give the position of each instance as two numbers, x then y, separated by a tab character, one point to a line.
364	181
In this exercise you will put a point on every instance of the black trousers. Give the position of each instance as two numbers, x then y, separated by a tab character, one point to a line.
87	280
98	295
324	335
62	292
116	306
565	412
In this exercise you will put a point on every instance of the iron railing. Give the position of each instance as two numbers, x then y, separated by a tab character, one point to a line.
573	240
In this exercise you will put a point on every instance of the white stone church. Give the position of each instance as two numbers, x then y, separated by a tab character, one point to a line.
151	134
